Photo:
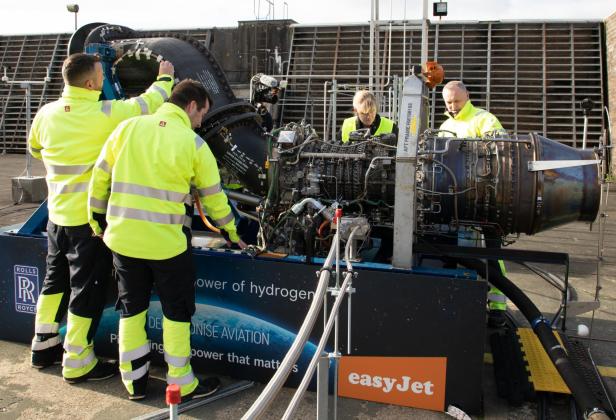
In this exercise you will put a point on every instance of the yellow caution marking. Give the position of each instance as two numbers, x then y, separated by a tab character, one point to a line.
543	373
488	358
605	371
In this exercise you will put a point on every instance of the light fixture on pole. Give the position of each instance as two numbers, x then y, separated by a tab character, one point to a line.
587	105
439	9
73	8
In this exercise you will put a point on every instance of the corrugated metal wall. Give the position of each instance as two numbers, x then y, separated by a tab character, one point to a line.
610	60
531	75
27	57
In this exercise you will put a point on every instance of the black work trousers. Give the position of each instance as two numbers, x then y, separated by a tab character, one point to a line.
173	279
79	266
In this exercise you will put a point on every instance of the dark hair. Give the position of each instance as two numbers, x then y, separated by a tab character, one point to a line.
189	90
77	68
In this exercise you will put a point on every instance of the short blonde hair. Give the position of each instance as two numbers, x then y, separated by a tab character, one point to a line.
364	101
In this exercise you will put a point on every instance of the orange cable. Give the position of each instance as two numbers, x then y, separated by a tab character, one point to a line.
325	223
203	218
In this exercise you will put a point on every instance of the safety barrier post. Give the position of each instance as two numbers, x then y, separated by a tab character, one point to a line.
322	388
173	398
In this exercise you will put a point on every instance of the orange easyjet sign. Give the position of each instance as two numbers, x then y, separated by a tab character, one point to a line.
409	381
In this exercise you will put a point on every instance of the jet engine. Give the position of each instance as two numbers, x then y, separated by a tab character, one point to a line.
424	183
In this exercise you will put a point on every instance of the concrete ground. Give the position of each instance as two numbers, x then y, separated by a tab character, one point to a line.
26	393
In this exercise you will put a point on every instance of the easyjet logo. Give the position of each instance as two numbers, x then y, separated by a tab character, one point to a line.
409	381
387	384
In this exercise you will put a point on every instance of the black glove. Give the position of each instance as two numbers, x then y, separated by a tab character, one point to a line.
230	244
101	219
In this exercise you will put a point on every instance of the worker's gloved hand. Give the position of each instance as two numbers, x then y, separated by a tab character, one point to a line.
167	68
247	230
238	244
101	219
225	235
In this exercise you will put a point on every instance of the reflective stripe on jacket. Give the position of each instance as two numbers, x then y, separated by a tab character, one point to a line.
349	125
471	122
68	135
142	180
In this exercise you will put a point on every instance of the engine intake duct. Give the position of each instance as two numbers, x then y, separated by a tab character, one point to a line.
138	58
237	140
232	129
472	181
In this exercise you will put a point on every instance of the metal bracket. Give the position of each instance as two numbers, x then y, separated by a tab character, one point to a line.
335	291
575	308
543	165
334	355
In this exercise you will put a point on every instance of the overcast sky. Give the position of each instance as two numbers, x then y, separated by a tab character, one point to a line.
49	16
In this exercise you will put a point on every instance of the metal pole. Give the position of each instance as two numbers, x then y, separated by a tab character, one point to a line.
334	109
424	33
28	88
323	387
404	42
585	135
325	115
389	54
350	293
404	48
3	136
373	17
173	412
336	355
75	20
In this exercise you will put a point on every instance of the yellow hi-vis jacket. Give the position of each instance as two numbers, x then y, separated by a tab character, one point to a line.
471	122
68	135
142	180
349	125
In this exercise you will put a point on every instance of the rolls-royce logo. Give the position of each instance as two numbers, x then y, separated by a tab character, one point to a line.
26	288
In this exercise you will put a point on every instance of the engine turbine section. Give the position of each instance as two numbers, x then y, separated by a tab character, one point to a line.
488	182
469	182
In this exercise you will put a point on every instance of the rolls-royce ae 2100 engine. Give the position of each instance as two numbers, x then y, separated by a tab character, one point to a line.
424	183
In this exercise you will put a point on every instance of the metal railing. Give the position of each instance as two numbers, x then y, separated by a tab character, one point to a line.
273	387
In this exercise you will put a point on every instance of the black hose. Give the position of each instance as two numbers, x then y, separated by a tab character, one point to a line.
583	396
252	200
109	32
